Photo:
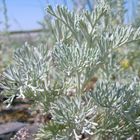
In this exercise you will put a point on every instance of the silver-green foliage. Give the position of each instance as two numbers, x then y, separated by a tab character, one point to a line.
120	104
84	46
73	119
74	59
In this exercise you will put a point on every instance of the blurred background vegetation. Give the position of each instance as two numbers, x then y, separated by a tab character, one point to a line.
123	12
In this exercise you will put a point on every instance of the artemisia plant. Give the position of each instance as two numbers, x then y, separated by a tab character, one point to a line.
85	57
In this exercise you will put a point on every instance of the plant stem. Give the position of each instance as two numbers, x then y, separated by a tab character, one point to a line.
5	16
78	83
